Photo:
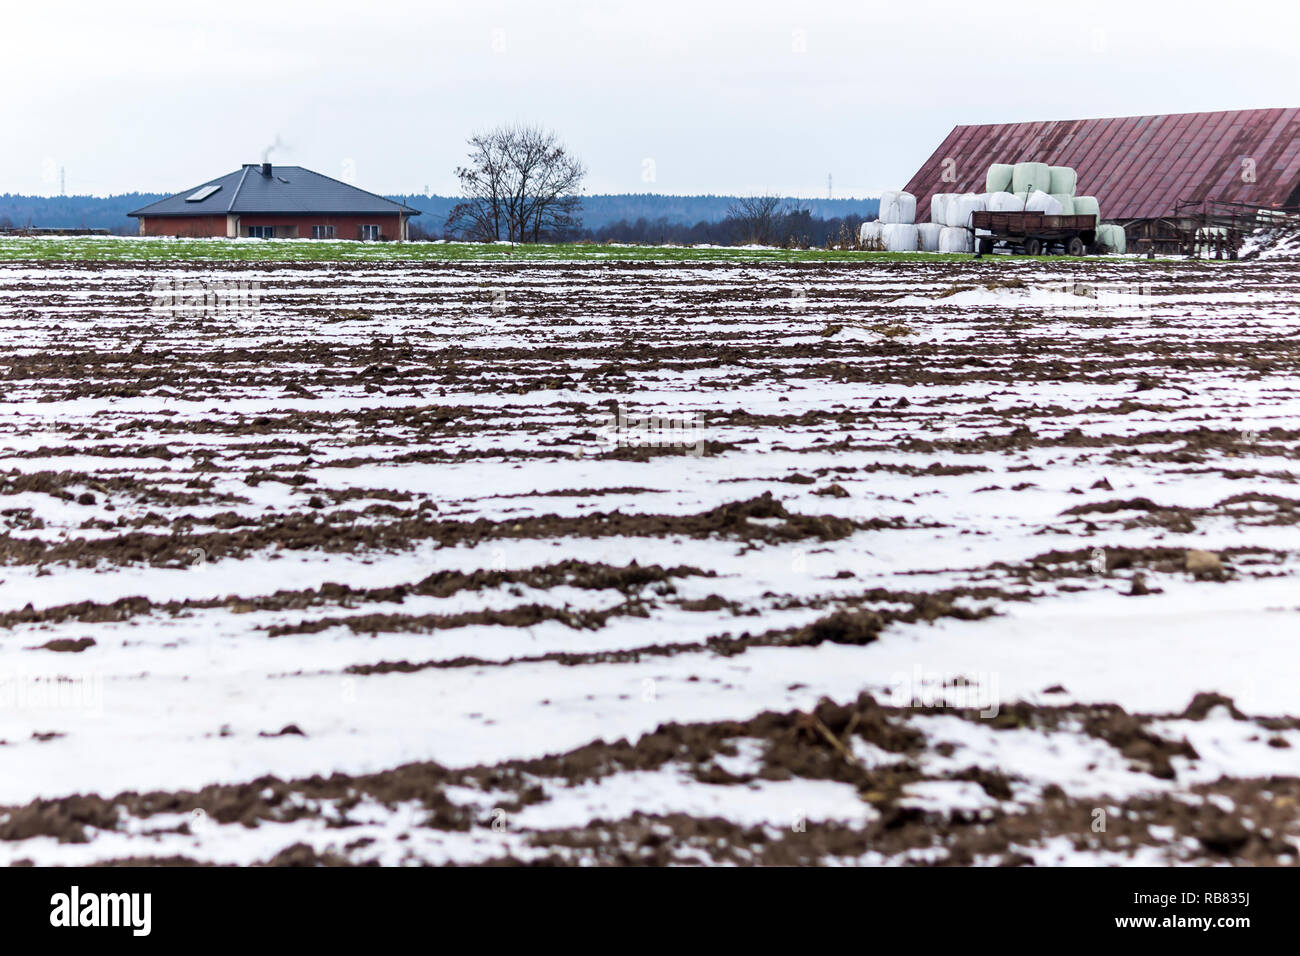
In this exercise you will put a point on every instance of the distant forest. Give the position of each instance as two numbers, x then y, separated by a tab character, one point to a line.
627	217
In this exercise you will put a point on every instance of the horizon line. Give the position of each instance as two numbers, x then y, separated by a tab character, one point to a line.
449	196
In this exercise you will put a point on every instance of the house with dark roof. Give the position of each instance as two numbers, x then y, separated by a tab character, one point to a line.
276	202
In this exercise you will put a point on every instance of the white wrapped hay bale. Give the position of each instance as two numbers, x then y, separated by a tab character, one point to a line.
952	239
927	235
890	209
870	233
1067	203
899	237
998	179
908	203
1005	202
1118	239
939	208
1112	237
1063	180
1026	177
984	205
897	206
961	207
1087	206
1040	201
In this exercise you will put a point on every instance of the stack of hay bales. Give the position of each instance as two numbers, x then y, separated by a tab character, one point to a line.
955	209
1036	187
1009	187
950	220
1052	190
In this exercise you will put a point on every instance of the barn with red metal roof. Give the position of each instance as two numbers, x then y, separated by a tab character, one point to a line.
1149	173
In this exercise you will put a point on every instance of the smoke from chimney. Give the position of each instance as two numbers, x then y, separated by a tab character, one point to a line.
266	153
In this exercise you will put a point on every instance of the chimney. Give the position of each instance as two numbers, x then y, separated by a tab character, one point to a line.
266	170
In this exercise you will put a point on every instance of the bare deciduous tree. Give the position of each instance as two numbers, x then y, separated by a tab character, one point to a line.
520	184
480	214
758	219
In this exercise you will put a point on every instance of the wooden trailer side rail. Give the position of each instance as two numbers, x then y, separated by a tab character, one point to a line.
1031	223
1033	233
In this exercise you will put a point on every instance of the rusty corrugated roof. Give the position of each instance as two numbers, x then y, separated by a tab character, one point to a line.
1138	167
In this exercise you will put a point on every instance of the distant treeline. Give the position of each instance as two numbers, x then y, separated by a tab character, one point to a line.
651	217
798	228
74	212
626	217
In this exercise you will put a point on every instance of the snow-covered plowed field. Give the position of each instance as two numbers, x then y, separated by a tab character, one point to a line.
917	563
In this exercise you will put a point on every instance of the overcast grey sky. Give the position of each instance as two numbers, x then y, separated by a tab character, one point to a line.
677	96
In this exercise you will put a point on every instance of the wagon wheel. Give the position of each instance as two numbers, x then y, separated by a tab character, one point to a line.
986	246
1033	247
1075	246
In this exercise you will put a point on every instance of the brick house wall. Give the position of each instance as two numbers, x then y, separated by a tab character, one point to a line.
296	225
188	227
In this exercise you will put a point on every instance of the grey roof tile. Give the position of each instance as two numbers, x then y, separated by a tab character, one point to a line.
289	189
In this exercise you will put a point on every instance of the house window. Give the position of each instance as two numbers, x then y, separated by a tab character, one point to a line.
369	232
261	232
322	232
